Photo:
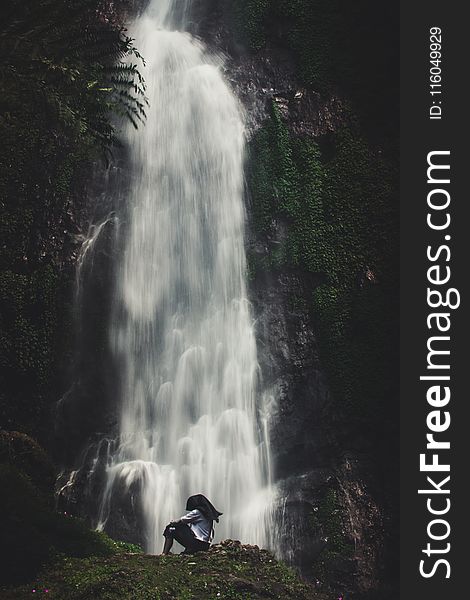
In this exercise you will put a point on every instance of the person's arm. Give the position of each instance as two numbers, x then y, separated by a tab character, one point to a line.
190	517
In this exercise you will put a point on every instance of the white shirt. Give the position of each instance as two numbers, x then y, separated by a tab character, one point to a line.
201	527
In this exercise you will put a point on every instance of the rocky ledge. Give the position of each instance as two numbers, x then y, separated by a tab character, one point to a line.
228	571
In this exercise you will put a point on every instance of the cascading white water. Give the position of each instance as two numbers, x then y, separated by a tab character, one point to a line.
182	332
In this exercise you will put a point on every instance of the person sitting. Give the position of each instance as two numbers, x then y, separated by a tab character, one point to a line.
195	530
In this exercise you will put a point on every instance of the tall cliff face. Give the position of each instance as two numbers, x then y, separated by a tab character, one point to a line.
55	123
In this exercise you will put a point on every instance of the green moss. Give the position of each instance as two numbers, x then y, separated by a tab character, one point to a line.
249	20
355	309
328	519
34	315
330	515
227	572
336	198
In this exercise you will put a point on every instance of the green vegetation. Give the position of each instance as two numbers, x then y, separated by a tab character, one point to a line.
336	197
329	519
28	336
66	71
227	572
350	47
33	533
249	17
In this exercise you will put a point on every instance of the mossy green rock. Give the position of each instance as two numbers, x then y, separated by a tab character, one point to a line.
228	571
26	455
33	533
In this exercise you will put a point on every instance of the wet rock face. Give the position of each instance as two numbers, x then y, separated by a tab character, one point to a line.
86	407
122	11
291	371
269	76
309	442
126	518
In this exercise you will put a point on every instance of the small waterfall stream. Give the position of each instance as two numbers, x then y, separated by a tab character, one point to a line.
192	414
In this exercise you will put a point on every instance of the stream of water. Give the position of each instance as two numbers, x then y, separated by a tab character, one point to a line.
192	415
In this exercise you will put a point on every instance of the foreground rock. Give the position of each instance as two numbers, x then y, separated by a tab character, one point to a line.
227	571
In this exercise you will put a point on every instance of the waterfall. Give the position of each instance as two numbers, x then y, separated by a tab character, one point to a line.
192	414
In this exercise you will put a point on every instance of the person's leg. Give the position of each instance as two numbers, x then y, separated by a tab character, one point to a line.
184	536
168	544
168	535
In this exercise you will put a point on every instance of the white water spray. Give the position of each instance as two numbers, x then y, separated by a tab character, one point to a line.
192	419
